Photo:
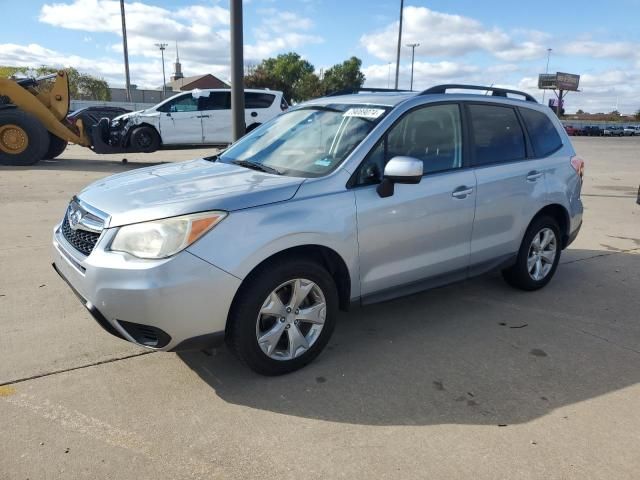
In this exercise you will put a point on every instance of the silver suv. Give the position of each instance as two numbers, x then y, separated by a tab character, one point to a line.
347	199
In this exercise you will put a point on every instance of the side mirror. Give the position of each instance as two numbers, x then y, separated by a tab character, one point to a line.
400	170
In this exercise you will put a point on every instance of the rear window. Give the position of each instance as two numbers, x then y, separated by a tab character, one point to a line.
543	135
497	133
258	100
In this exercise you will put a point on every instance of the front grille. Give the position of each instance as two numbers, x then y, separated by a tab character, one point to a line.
81	240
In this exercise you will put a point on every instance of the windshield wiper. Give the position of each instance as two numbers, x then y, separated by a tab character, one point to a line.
257	166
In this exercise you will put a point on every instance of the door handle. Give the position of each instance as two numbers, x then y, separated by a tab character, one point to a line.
534	175
462	192
204	116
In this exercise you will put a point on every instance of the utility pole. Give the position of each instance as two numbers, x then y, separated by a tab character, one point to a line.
544	92
399	44
126	51
162	47
412	46
237	72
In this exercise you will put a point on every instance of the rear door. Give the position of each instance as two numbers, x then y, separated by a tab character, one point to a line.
259	107
511	183
215	110
180	122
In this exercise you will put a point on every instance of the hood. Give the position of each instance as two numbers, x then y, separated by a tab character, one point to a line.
129	115
180	188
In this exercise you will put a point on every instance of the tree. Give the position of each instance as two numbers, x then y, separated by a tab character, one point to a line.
82	86
637	115
344	76
295	77
580	112
287	72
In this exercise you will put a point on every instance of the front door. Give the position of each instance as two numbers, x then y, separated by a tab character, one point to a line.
421	235
180	122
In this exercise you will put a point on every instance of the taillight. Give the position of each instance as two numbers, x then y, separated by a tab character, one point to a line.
578	165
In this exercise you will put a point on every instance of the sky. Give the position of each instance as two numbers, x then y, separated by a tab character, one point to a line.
489	42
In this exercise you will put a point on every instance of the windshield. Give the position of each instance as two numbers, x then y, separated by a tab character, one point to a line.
307	142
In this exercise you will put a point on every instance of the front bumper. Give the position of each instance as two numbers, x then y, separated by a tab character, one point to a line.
179	303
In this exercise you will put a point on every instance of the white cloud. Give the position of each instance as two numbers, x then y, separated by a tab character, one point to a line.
280	31
425	74
447	35
202	32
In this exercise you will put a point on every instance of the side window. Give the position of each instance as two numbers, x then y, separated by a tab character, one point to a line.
542	132
184	103
498	136
258	100
432	134
215	101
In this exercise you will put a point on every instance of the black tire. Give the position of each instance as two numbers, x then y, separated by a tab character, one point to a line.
56	146
29	127
145	139
244	313
518	275
252	127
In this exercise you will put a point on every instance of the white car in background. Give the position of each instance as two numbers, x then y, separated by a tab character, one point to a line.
197	117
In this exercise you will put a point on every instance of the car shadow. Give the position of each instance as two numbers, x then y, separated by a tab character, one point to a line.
478	352
108	166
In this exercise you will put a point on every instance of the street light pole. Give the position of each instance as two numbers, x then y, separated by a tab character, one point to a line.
162	47
126	51
546	71
399	44
412	46
237	71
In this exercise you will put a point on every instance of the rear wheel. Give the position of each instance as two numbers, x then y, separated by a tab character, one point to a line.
284	316
23	139
56	146
538	256
145	139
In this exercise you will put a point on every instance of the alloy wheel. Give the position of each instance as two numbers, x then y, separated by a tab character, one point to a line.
291	319
542	254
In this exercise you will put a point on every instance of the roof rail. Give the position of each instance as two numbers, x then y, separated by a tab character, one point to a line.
350	91
495	91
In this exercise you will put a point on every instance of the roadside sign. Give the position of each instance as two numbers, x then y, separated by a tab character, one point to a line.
558	81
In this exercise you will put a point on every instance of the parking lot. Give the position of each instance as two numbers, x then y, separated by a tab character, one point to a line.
475	380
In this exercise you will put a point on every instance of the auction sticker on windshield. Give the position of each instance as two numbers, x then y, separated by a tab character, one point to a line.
364	112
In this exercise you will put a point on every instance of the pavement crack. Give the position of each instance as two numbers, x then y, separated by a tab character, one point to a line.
603	254
71	369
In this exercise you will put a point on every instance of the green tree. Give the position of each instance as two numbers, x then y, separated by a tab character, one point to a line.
344	76
287	72
637	115
82	86
310	86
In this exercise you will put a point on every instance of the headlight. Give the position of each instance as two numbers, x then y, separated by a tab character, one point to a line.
163	238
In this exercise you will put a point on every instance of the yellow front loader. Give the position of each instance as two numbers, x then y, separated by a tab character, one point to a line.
33	124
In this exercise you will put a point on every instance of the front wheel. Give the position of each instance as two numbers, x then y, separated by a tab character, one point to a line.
23	139
538	256
283	316
145	139
56	146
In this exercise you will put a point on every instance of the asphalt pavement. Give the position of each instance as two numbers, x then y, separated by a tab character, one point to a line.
475	380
